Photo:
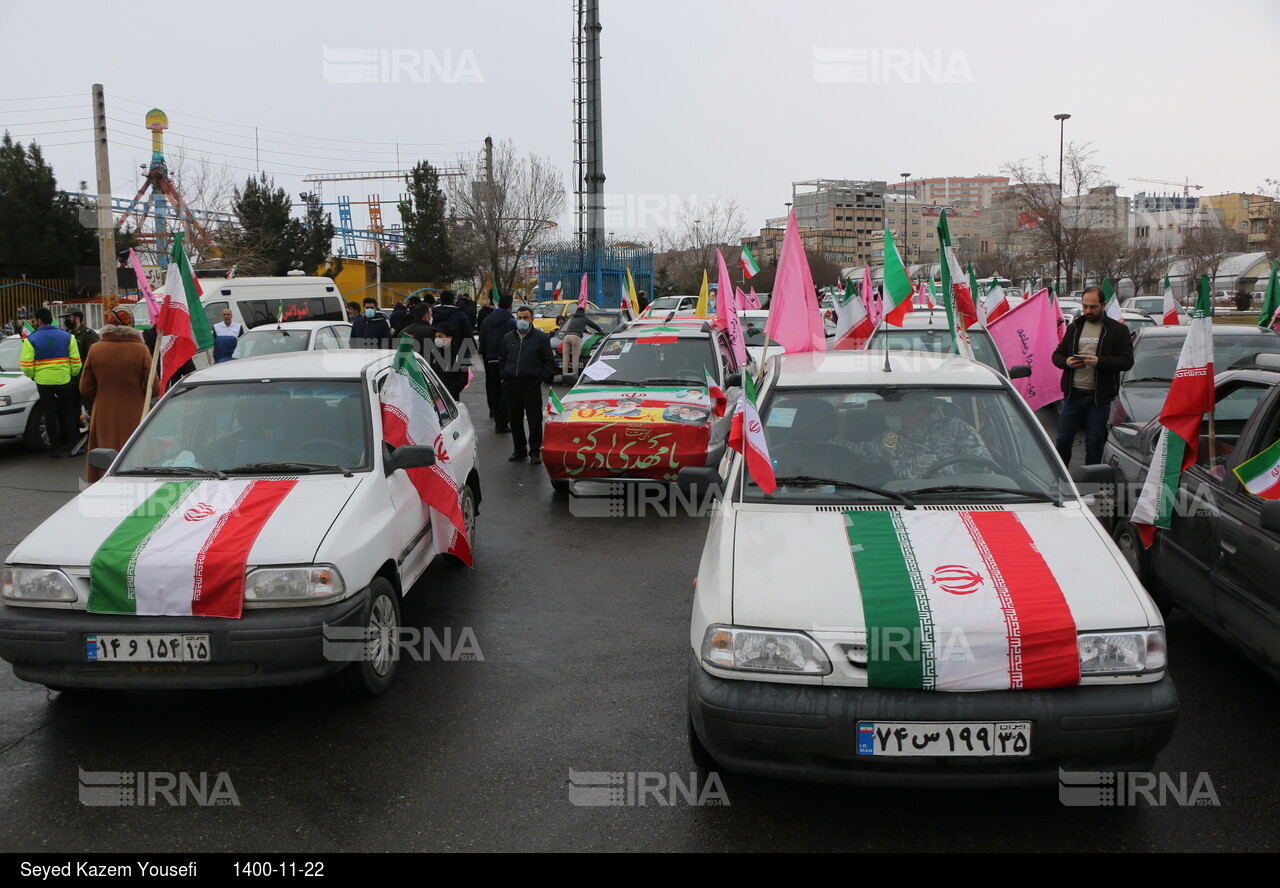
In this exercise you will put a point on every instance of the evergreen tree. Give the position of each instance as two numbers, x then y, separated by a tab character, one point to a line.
40	230
428	250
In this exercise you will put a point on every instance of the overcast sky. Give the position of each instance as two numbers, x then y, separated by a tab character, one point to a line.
737	99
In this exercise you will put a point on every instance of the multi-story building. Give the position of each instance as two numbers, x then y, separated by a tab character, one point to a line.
914	225
1163	229
838	245
957	191
1234	207
847	211
1263	216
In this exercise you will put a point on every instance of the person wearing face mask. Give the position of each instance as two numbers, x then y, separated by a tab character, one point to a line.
85	337
371	328
446	361
419	329
918	434
526	362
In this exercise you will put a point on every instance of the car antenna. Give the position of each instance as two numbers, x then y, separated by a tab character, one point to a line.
887	368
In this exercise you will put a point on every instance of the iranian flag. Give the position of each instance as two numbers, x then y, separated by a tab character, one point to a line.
554	407
1270	302
630	301
995	303
1190	397
750	268
555	294
409	417
184	550
718	400
1112	306
853	323
183	327
897	286
955	285
1261	475
959	601
747	437
26	329
1169	311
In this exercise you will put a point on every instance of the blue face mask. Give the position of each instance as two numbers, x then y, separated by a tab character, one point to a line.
523	325
369	312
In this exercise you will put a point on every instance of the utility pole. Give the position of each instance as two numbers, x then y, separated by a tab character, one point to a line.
106	229
491	229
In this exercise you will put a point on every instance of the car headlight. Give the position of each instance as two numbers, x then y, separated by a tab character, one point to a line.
1122	653
763	650
5	400
37	584
294	585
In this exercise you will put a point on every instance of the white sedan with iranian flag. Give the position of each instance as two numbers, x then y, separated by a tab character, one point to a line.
903	587
259	528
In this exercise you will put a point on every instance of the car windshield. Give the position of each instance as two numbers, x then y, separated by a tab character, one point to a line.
931	445
271	342
548	309
236	426
1148	305
938	340
672	303
1156	357
657	359
10	354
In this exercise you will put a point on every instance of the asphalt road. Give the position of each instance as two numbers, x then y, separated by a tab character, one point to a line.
582	625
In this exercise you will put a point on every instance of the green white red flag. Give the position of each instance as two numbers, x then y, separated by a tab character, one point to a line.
1169	311
750	268
1191	395
1270	302
853	321
955	285
554	407
995	303
1261	475
746	435
719	402
897	285
1112	305
184	550
409	417
959	601
183	327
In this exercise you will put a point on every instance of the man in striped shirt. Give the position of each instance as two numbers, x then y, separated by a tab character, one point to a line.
51	357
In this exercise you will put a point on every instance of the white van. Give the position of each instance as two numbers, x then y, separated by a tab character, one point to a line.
259	300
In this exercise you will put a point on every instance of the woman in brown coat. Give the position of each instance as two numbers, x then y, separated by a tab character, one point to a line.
115	376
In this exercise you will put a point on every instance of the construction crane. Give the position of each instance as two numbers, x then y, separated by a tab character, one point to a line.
1185	183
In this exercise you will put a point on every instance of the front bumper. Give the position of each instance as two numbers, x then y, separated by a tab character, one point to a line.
264	648
808	732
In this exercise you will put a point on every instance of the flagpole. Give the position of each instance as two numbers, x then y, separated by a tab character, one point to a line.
1213	440
151	375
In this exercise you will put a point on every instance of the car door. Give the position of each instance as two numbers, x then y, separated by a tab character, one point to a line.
411	524
1247	594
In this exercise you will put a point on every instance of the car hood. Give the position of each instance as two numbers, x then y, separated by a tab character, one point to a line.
18	387
291	535
595	403
775	545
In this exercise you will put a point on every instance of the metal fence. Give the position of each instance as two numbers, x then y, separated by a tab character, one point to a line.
606	271
33	293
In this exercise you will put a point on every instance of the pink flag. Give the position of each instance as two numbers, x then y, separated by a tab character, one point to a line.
144	289
795	321
753	301
869	296
724	293
1028	334
582	292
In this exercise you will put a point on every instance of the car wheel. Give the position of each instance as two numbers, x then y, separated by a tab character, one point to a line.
702	758
1130	545
467	502
373	674
560	485
36	437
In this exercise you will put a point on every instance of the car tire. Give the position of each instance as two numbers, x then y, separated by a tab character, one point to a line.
1135	555
701	756
560	485
372	675
467	503
35	438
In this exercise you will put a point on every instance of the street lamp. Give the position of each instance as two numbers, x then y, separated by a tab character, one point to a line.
1062	133
904	215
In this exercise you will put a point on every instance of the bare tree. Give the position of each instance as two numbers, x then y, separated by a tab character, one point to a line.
1204	249
1016	265
1270	243
206	187
502	220
690	246
1101	253
1142	264
1060	220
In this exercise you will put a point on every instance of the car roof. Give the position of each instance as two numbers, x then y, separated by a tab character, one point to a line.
1180	331
331	363
866	368
689	328
922	320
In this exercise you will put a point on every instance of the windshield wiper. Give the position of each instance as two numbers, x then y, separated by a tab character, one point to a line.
1038	495
288	466
673	380
813	479
1148	379
174	470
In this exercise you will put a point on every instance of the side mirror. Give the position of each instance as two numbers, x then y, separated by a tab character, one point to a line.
694	480
1271	516
409	456
1095	474
101	458
733	381
1021	371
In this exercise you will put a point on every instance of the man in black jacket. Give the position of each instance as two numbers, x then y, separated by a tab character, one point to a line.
526	362
371	329
1092	354
492	331
449	313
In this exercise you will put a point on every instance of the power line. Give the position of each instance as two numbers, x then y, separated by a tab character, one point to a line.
59	120
42	98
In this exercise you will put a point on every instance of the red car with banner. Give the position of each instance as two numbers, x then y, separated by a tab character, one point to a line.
642	408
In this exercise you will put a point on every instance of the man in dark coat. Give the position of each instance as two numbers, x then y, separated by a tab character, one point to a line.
526	363
371	328
449	313
422	333
496	326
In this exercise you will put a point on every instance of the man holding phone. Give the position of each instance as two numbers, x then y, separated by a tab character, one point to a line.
1093	353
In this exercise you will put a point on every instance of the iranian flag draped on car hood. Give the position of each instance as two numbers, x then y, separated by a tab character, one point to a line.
946	600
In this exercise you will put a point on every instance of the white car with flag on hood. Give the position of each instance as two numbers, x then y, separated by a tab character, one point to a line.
259	528
902	587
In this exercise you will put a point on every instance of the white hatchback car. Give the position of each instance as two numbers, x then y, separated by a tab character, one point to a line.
923	599
294	336
20	414
252	526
